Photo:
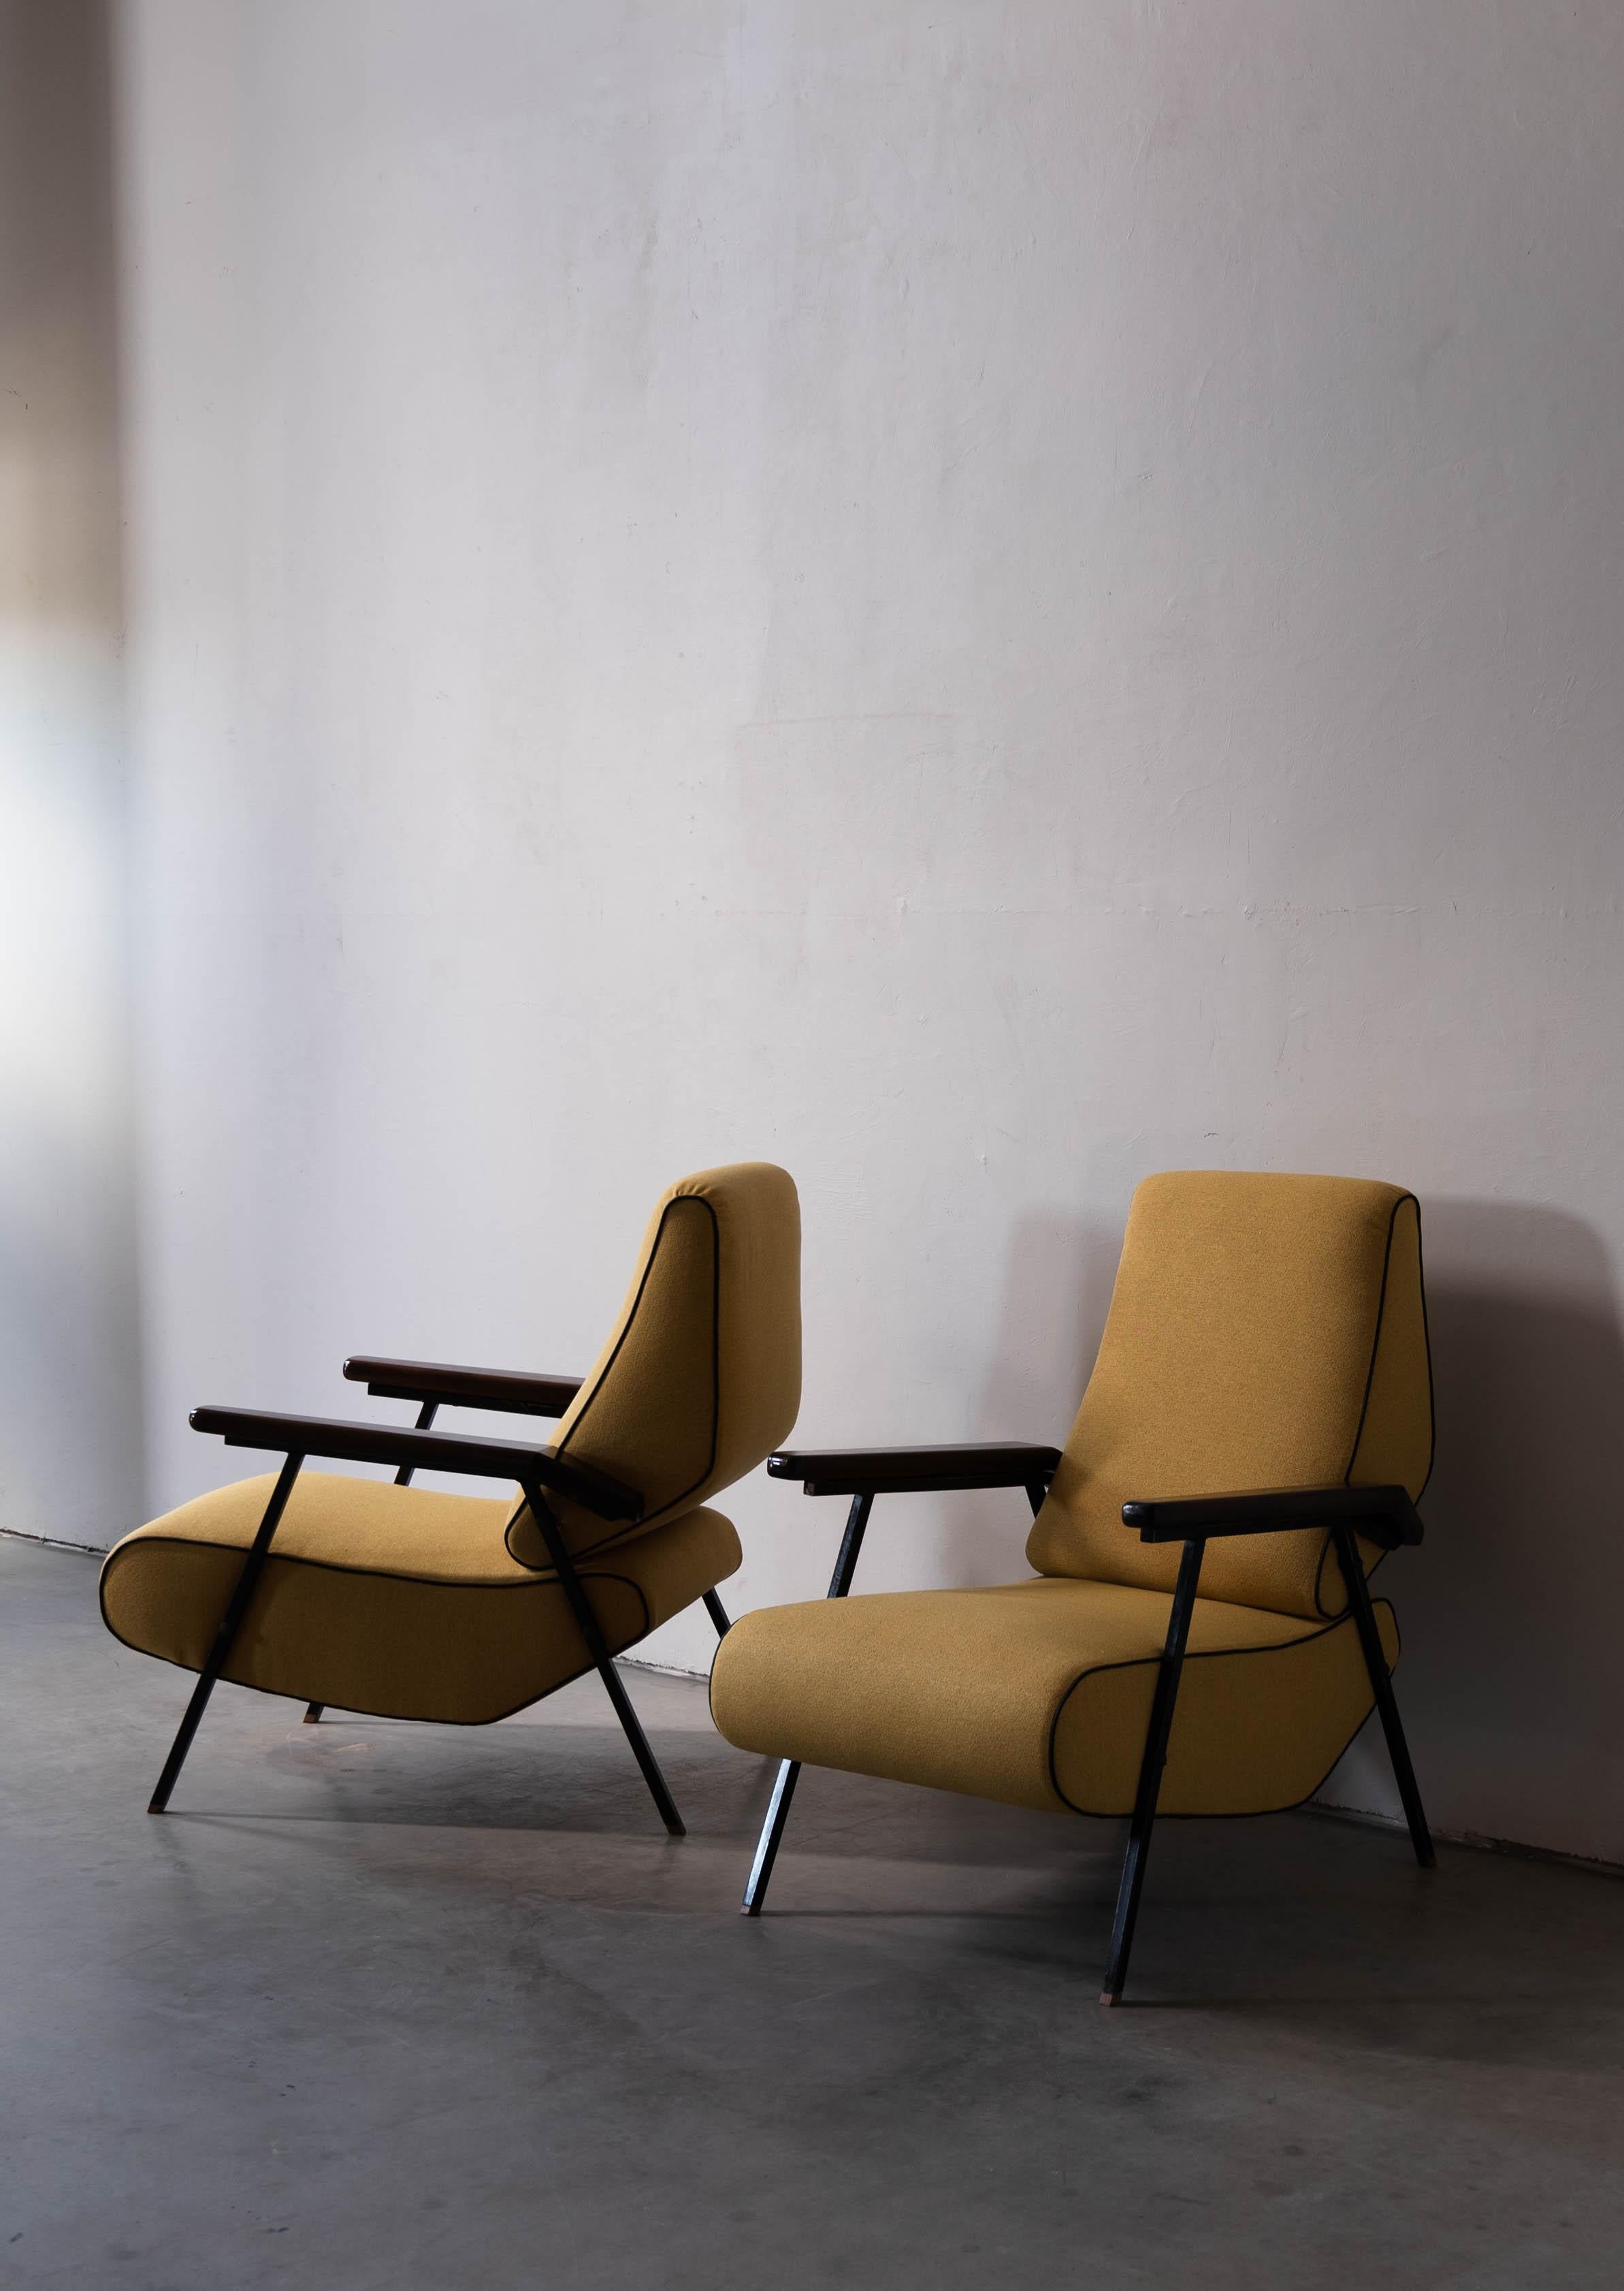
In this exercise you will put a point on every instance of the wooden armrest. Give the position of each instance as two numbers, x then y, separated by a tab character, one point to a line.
897	1471
1385	1515
511	1390
428	1451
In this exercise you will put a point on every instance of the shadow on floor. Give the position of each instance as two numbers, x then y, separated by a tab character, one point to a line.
401	2019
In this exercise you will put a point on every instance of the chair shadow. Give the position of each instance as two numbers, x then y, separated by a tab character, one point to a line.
1057	1287
1513	1695
1512	1690
576	1780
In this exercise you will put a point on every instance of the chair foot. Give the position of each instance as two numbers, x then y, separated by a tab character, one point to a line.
313	1714
1110	1997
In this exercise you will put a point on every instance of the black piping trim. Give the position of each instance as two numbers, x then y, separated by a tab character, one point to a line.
647	1519
1371	1566
1381	1307
1432	1398
1320	1607
336	1567
535	1582
1208	1654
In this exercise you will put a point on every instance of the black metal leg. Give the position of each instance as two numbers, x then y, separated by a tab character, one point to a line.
426	1415
718	1614
580	1607
783	1789
230	1622
313	1711
1381	1686
638	1740
1150	1772
851	1544
772	1830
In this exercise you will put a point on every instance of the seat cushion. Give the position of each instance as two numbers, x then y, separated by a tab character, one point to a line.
1039	1693
398	1601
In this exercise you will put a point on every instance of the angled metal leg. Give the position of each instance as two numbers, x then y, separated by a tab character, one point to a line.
580	1607
718	1614
230	1622
1150	1770
426	1415
783	1788
851	1545
771	1832
1381	1686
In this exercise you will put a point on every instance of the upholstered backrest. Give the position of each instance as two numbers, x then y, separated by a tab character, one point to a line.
700	1378
1264	1332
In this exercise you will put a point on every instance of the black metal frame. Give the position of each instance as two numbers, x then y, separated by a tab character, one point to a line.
783	1787
225	1637
862	1474
1387	1517
1384	1515
411	1447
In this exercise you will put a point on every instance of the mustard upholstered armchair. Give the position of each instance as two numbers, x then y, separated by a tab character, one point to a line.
411	1604
1198	1638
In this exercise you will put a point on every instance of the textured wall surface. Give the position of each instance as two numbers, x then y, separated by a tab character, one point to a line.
70	1441
978	600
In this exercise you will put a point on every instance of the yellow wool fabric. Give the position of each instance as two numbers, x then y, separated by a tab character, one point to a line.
1039	1693
398	1601
700	1378
1264	1330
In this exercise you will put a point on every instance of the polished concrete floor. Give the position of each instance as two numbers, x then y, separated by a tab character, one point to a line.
385	2007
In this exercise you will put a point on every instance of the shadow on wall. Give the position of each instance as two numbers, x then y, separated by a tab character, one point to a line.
1512	1686
1513	1610
1057	1289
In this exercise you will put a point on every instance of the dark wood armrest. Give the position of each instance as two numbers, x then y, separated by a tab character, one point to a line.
511	1390
427	1451
897	1471
1385	1515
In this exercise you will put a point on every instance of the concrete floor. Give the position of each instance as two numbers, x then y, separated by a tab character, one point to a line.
381	2008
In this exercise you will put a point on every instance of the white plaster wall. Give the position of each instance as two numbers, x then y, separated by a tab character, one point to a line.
70	1462
980	600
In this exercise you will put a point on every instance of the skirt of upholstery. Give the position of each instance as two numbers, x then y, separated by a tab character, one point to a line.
1039	1693
395	1601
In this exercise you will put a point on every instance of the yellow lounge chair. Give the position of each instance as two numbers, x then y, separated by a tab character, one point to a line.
413	1604
1266	1335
